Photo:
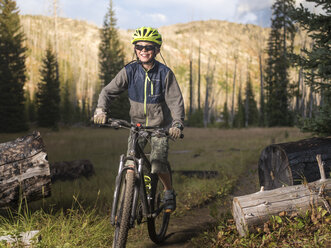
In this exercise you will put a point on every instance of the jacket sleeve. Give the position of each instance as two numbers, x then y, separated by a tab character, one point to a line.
113	90
174	99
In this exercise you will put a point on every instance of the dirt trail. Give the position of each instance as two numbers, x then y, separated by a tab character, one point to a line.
183	229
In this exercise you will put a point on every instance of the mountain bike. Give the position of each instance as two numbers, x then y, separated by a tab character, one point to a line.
138	193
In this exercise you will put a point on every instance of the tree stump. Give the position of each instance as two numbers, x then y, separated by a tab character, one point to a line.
251	211
292	163
24	170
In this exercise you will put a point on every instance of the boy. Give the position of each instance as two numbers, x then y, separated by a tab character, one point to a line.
155	99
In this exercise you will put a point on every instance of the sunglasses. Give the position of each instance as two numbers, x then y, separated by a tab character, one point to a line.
147	48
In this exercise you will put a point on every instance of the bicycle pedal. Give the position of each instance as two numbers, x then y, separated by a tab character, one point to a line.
168	210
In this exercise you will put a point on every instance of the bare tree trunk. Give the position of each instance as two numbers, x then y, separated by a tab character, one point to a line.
303	100
260	54
206	111
301	85
55	6
226	82
297	104
191	88
233	88
209	81
55	40
199	73
311	103
246	106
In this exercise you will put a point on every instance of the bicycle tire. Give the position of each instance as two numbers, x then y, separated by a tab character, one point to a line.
157	227
122	219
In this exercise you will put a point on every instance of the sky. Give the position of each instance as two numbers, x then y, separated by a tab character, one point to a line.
132	14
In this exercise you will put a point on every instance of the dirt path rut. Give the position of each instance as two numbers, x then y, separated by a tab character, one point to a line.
183	229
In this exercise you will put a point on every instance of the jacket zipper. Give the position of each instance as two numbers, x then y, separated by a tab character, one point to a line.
145	95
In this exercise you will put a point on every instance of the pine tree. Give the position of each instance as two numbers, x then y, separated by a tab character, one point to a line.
251	111
12	69
226	116
239	118
30	106
48	95
317	62
276	81
67	108
111	60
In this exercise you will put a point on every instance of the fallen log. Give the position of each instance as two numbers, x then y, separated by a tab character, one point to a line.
25	173
251	211
70	170
24	170
293	163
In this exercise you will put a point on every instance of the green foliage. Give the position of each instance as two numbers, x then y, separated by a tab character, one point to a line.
111	60
48	95
321	123
225	116
239	117
30	106
195	119
276	80
310	229
317	62
251	111
66	106
12	69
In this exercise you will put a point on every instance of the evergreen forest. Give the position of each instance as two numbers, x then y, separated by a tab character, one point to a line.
52	69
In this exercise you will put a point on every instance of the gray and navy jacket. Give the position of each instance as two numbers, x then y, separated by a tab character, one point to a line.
155	97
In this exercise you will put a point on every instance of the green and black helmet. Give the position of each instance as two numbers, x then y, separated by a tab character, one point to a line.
147	34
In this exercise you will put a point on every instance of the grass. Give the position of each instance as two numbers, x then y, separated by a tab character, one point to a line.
77	213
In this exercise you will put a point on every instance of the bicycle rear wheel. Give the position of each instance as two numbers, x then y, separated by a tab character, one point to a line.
124	206
157	226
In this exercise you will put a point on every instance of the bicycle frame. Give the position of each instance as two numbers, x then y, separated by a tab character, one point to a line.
139	159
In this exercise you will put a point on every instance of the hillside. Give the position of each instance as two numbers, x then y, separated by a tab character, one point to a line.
78	52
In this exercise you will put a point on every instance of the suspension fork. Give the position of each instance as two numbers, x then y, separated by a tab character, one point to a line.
118	183
139	187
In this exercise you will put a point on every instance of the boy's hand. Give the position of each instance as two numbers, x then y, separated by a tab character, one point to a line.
99	116
175	132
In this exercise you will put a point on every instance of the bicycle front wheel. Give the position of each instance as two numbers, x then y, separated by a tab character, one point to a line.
158	225
122	218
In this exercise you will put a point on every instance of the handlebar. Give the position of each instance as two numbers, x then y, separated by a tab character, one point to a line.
118	123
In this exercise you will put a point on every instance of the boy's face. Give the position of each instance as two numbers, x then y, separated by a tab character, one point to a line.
146	51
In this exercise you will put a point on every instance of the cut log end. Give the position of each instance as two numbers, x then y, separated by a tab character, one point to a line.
293	163
239	218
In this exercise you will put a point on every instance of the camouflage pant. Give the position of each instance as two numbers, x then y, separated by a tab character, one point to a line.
159	152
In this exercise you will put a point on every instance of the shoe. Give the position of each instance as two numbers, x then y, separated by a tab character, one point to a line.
169	201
